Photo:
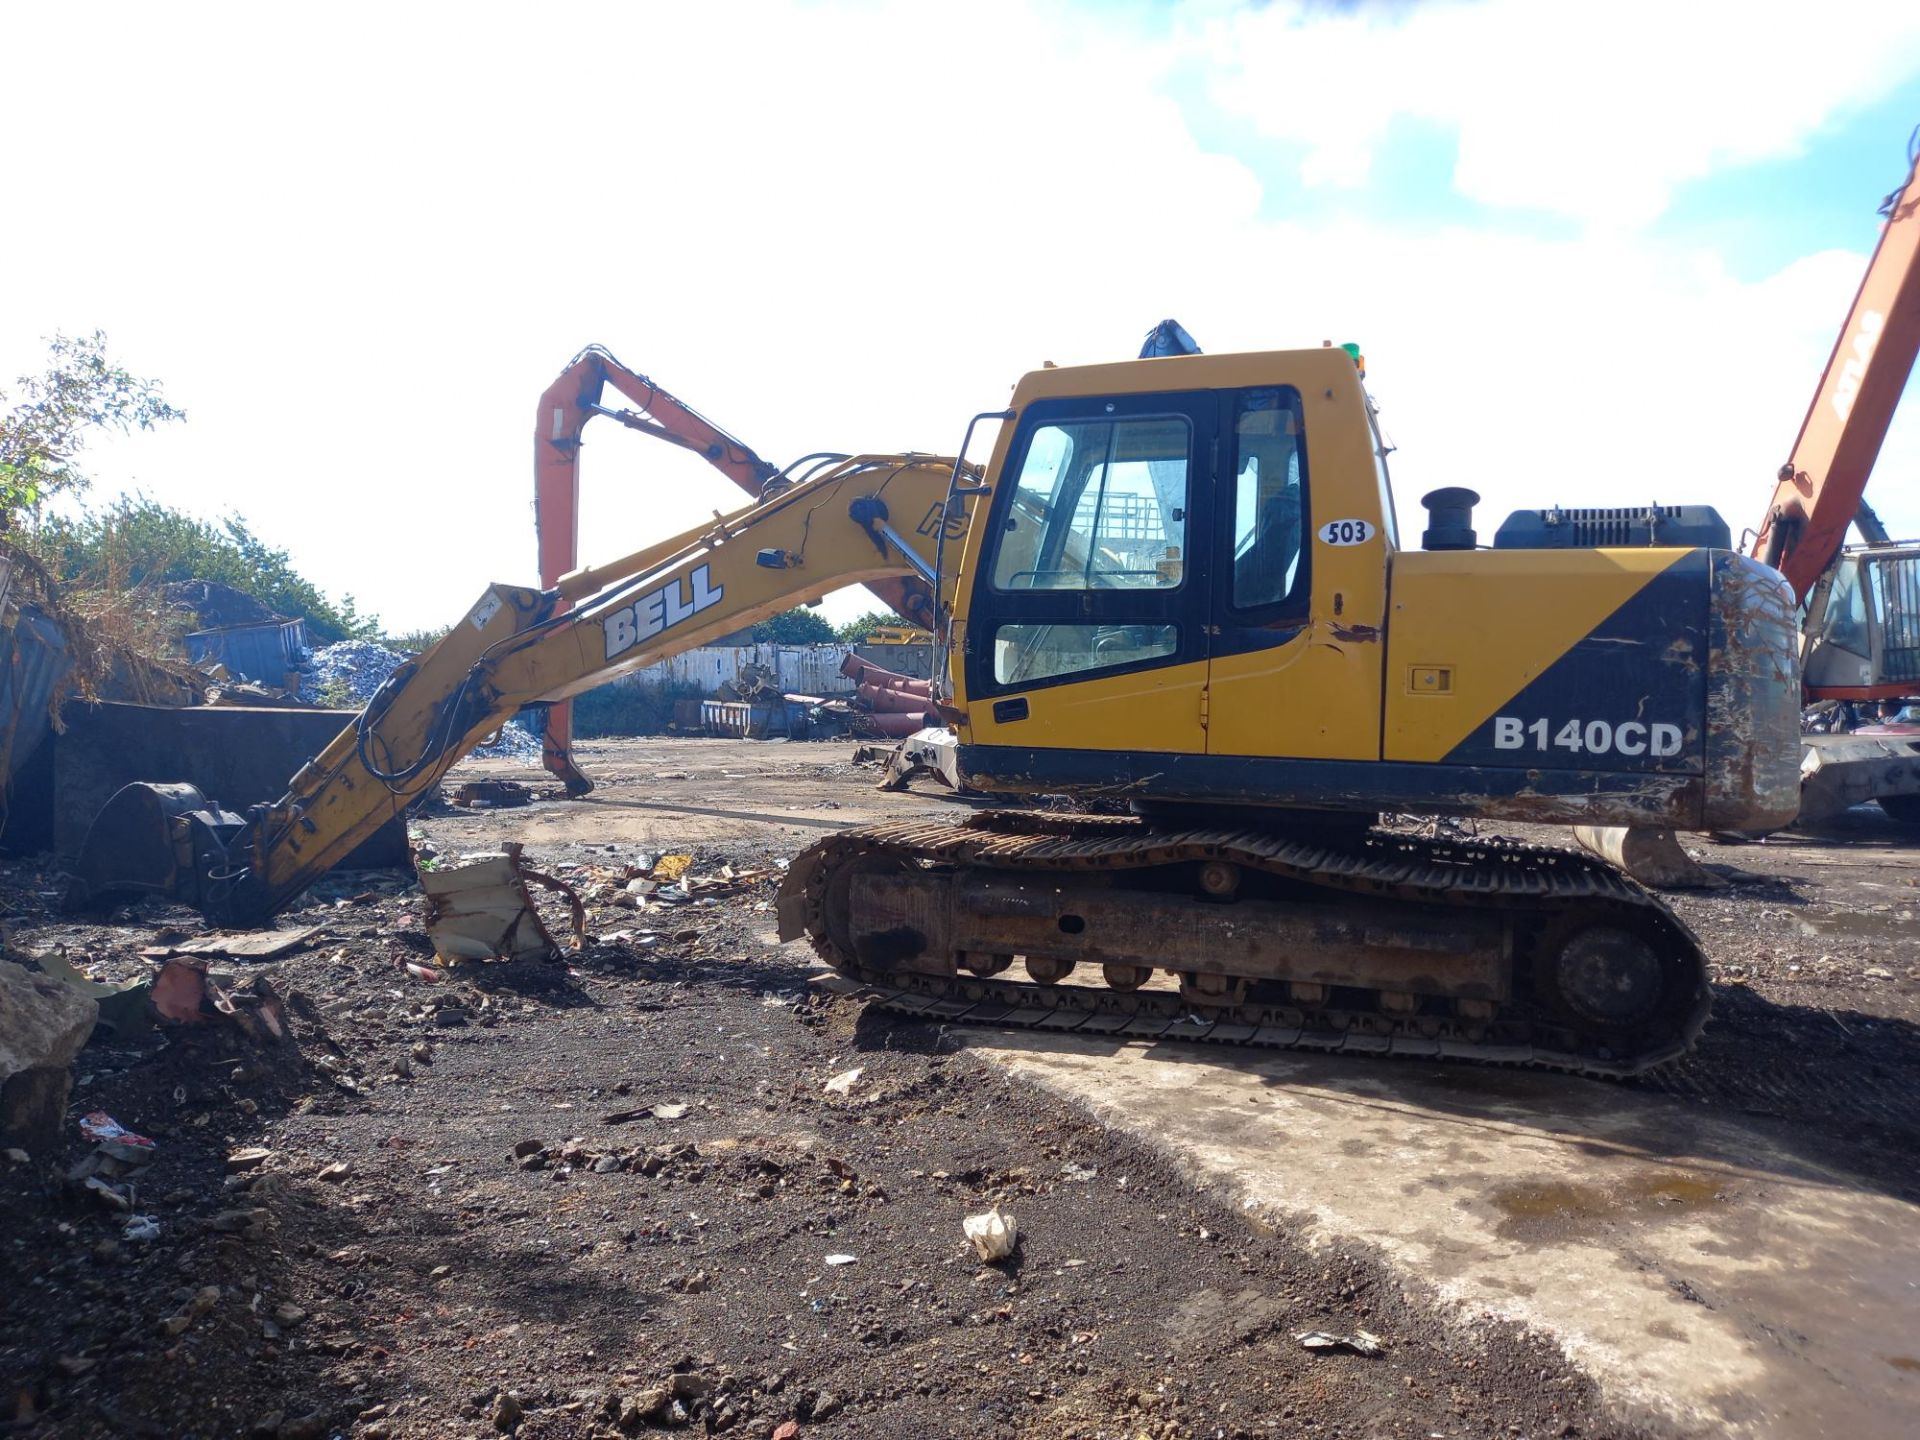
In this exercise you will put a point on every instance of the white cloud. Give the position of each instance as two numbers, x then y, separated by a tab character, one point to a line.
357	243
1591	111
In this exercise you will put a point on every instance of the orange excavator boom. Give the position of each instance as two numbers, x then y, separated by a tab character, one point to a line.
1820	489
576	396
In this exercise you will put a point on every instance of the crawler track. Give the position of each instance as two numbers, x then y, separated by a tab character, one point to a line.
1547	889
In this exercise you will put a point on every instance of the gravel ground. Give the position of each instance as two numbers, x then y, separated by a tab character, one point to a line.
392	1267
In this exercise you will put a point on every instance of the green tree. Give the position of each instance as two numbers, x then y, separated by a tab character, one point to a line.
136	540
798	626
47	418
856	631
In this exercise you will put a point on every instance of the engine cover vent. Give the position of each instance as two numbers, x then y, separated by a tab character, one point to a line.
1591	527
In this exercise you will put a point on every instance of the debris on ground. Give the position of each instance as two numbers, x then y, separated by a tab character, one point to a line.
237	944
489	794
478	908
185	992
843	1083
387	1266
1325	1342
993	1234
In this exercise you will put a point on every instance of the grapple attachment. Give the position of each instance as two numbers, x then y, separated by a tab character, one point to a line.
165	840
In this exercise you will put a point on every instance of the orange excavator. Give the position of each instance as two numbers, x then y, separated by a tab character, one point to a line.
575	397
1861	625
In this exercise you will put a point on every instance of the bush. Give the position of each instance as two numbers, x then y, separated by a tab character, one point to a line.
798	626
412	642
137	541
857	631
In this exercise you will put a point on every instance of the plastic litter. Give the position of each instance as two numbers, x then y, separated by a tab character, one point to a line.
141	1229
993	1234
115	1140
841	1259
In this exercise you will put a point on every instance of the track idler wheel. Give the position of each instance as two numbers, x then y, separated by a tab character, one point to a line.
1622	986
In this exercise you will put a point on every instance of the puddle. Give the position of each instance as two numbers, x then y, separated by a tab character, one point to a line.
1535	1209
1893	925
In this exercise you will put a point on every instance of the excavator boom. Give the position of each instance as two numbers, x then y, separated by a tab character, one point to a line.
514	648
575	397
1820	489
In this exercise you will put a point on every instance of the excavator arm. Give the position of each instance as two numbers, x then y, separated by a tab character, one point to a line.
867	518
575	397
1819	490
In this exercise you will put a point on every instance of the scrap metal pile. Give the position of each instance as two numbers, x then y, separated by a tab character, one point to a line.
885	703
348	674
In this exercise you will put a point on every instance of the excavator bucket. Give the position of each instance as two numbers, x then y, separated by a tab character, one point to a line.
166	840
1650	854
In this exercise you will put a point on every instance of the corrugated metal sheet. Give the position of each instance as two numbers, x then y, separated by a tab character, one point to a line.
739	719
263	652
803	669
34	659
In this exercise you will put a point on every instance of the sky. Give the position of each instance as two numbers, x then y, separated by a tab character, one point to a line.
1596	254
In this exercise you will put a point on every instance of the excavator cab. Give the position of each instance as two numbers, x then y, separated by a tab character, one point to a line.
1863	626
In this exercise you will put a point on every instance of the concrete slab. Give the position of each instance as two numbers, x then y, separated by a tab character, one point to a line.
1701	1272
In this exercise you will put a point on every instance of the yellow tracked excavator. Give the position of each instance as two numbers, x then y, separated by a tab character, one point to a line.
1178	583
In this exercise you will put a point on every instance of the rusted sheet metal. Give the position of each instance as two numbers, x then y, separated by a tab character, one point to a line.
1753	747
263	651
916	661
239	756
1841	771
34	660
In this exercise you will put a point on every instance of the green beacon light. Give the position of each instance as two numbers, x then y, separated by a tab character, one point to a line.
1359	360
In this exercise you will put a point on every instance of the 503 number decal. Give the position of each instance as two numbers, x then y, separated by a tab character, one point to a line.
1589	737
1346	532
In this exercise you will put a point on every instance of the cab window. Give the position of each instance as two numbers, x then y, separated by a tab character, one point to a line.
1100	505
1269	500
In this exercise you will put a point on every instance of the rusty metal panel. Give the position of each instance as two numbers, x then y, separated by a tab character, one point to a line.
811	669
236	755
34	659
742	720
265	651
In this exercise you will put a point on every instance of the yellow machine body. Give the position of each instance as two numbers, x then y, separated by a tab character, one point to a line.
1106	634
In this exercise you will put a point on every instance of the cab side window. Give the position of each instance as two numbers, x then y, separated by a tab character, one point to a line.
1269	500
1101	505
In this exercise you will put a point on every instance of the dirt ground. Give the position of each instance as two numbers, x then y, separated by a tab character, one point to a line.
448	1235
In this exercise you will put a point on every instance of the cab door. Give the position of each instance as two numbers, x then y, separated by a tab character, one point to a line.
1302	533
1087	627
